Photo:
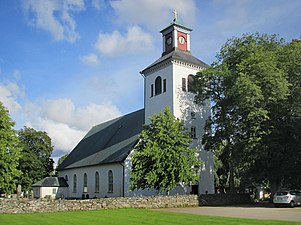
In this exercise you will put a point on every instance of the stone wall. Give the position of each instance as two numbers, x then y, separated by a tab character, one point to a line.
147	202
46	205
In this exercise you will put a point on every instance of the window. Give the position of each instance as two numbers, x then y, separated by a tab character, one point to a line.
97	182
110	181
190	82
66	177
158	85
164	85
183	84
192	114
85	183
152	90
53	191
74	183
193	132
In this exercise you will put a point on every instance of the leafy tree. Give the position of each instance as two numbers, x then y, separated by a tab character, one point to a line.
244	84
163	159
36	162
10	153
62	159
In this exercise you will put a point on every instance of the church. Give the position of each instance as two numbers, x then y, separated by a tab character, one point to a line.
99	166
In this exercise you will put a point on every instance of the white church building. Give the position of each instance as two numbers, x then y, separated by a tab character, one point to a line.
99	165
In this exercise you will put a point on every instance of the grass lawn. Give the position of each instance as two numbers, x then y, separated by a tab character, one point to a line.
124	216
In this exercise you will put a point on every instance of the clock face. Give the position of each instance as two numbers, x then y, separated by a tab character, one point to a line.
181	40
168	41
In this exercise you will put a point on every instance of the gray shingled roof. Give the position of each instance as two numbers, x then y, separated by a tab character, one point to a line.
109	142
179	55
51	182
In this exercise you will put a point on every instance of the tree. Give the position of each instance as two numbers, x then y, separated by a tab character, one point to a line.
10	153
245	84
61	159
36	162
162	159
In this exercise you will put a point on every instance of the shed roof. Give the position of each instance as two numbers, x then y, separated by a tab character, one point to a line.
51	182
109	142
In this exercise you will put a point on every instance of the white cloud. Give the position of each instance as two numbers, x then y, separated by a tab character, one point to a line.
135	40
81	118
90	59
9	94
65	123
98	4
54	16
154	13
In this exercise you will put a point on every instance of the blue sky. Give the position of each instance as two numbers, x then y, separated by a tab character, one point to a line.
66	65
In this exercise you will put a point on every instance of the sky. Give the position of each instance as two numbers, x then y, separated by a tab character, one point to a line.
67	65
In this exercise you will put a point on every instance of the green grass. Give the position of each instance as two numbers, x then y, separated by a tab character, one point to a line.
124	216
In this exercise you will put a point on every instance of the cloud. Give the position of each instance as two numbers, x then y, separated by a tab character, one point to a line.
90	59
9	94
153	14
66	123
54	16
115	44
98	4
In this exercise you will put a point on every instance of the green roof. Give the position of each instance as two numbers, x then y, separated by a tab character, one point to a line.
51	182
109	142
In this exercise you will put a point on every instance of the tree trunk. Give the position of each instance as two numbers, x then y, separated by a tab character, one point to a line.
231	178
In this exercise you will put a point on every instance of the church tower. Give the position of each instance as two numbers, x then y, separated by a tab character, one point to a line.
168	82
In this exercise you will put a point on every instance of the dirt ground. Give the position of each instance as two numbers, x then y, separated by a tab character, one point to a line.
259	211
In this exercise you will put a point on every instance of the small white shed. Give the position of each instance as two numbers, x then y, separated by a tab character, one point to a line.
51	187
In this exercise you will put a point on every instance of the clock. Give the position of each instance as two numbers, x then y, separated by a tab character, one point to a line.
181	40
168	41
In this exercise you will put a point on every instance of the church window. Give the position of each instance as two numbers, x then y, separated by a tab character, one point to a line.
190	82
192	114
193	132
110	181
158	85
164	85
183	84
74	183
85	183
152	90
96	182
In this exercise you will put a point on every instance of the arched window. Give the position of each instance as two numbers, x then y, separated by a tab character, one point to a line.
190	82
110	181
158	85
85	183
74	183
66	177
97	182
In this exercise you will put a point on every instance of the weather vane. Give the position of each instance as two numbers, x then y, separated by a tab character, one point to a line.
175	15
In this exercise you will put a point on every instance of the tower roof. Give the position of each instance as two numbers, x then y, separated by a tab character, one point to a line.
176	55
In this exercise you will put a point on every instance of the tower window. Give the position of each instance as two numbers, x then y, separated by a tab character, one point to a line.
158	85
164	85
190	82
193	132
152	90
183	84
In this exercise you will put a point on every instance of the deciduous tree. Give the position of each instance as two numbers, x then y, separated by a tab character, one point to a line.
162	159
10	153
